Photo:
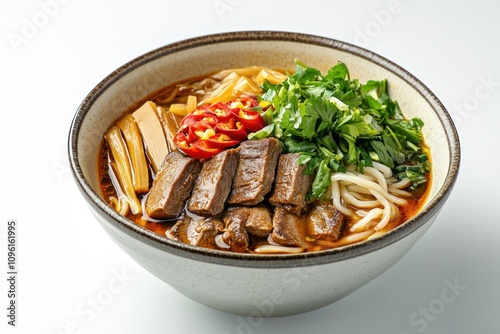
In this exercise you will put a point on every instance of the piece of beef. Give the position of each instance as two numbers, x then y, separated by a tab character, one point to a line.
172	186
291	184
325	222
289	229
214	183
197	232
235	234
255	173
259	221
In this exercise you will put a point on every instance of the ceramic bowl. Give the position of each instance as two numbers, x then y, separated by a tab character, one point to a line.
251	284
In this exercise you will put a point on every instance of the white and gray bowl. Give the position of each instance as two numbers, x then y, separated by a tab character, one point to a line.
252	284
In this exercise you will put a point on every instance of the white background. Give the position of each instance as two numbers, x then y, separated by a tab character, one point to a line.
54	52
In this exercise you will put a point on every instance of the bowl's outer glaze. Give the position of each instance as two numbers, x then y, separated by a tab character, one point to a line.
239	282
263	292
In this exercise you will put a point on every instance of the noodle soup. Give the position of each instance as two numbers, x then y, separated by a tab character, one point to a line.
258	160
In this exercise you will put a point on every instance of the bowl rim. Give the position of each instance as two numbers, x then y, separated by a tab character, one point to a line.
263	260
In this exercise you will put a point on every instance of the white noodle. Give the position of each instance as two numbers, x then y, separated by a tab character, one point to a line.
220	242
367	218
399	192
370	185
274	247
376	234
387	210
354	188
336	199
379	177
357	236
374	196
350	198
271	241
401	184
386	171
278	249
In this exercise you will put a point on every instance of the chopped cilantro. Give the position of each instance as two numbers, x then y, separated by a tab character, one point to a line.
334	121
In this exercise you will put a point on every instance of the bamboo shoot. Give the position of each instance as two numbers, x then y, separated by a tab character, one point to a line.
140	172
170	126
123	171
152	134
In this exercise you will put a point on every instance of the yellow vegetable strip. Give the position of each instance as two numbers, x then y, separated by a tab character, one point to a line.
246	86
246	80
272	76
192	103
123	171
244	71
140	170
178	109
152	133
223	93
170	126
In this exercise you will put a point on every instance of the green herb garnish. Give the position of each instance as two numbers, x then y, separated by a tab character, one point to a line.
334	121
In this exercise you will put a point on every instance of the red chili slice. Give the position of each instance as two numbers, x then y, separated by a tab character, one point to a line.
196	117
250	119
222	140
248	102
221	111
205	151
183	144
201	130
198	149
232	129
211	128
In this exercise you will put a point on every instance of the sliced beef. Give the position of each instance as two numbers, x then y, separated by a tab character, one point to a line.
172	186
291	184
289	229
197	232
235	234
214	183
325	222
255	173
259	221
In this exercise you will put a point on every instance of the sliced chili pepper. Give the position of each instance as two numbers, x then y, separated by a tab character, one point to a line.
222	140
201	131
183	144
197	117
246	102
232	129
198	149
221	111
205	151
250	119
